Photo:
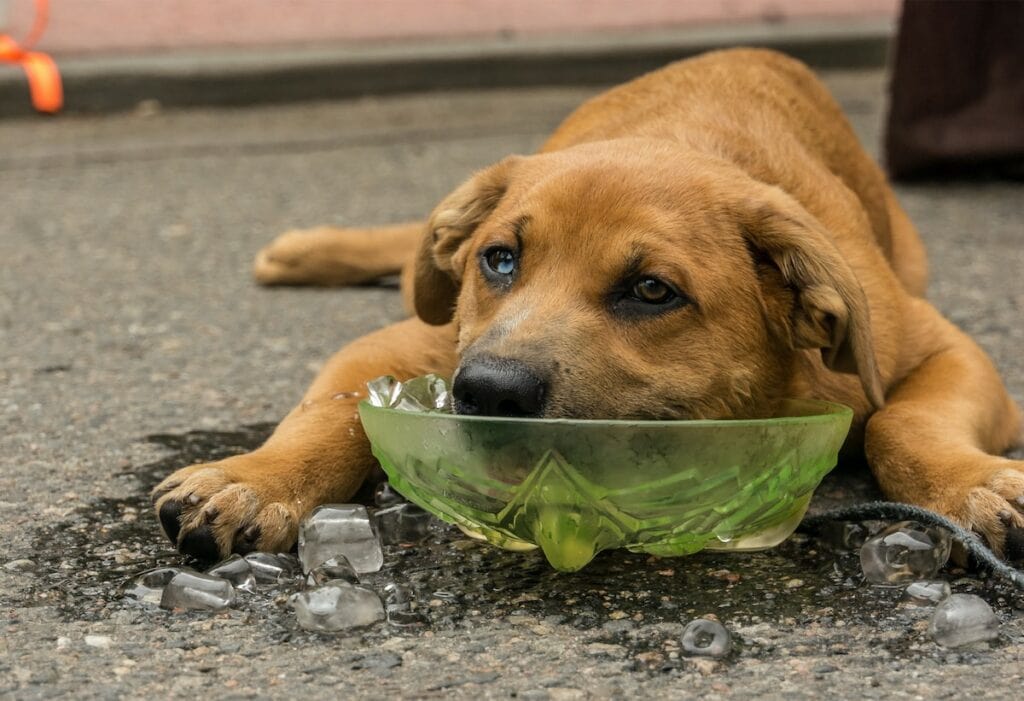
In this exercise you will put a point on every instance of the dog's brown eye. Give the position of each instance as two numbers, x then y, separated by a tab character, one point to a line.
652	291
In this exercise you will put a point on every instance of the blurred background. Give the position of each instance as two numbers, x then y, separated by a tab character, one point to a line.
143	26
115	53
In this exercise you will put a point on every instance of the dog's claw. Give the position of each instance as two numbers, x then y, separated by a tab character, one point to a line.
160	490
245	541
170	513
1014	549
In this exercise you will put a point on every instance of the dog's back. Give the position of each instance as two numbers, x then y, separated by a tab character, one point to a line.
758	109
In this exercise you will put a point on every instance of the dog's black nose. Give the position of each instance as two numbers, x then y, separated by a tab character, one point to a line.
489	386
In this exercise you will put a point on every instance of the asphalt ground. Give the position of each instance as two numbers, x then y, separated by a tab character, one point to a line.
133	341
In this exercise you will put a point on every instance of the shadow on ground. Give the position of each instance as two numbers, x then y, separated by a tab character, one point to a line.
634	602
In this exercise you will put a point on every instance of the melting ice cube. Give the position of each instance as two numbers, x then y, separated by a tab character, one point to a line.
963	619
195	590
926	593
339	529
383	391
148	587
237	570
705	638
904	552
844	536
272	568
336	605
338	567
403	523
427	393
399	605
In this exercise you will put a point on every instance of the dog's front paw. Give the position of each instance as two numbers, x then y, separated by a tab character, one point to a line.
239	505
994	506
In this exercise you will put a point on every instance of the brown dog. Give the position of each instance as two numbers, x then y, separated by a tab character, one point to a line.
699	242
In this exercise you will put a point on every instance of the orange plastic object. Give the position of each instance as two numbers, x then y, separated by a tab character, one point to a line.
44	83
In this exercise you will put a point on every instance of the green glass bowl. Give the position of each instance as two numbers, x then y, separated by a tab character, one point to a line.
575	488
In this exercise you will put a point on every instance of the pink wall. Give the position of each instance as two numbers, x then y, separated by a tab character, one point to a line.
138	25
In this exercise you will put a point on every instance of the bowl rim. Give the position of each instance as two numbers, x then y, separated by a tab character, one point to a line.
826	412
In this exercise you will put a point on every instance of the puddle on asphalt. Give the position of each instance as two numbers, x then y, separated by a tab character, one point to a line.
635	601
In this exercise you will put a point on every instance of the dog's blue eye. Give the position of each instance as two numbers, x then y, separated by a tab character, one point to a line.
501	261
652	291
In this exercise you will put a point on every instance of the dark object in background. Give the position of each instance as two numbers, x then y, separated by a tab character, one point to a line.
957	90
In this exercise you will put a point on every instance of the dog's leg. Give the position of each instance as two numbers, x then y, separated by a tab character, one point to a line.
318	454
334	256
938	440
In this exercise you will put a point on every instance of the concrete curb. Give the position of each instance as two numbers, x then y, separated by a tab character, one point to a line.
239	78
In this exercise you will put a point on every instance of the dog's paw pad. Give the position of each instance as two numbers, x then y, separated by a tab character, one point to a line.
990	515
208	511
1009	484
200	543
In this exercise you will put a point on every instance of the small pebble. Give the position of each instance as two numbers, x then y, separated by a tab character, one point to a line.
99	641
22	565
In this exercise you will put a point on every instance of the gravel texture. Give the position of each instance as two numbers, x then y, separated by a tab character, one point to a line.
135	342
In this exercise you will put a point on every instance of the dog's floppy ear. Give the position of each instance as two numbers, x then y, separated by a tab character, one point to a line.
438	265
830	310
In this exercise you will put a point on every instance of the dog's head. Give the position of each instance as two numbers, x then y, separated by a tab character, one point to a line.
635	280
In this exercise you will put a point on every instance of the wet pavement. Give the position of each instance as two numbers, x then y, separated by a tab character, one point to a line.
136	343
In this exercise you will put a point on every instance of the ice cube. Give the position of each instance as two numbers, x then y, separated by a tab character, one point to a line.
427	393
385	495
272	568
926	593
195	590
704	638
337	567
397	595
148	587
383	391
403	523
963	619
336	605
844	536
339	529
399	605
237	570
904	552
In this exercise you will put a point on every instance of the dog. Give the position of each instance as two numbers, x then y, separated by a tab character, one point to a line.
697	243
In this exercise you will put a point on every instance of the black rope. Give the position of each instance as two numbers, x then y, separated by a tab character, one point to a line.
887	510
